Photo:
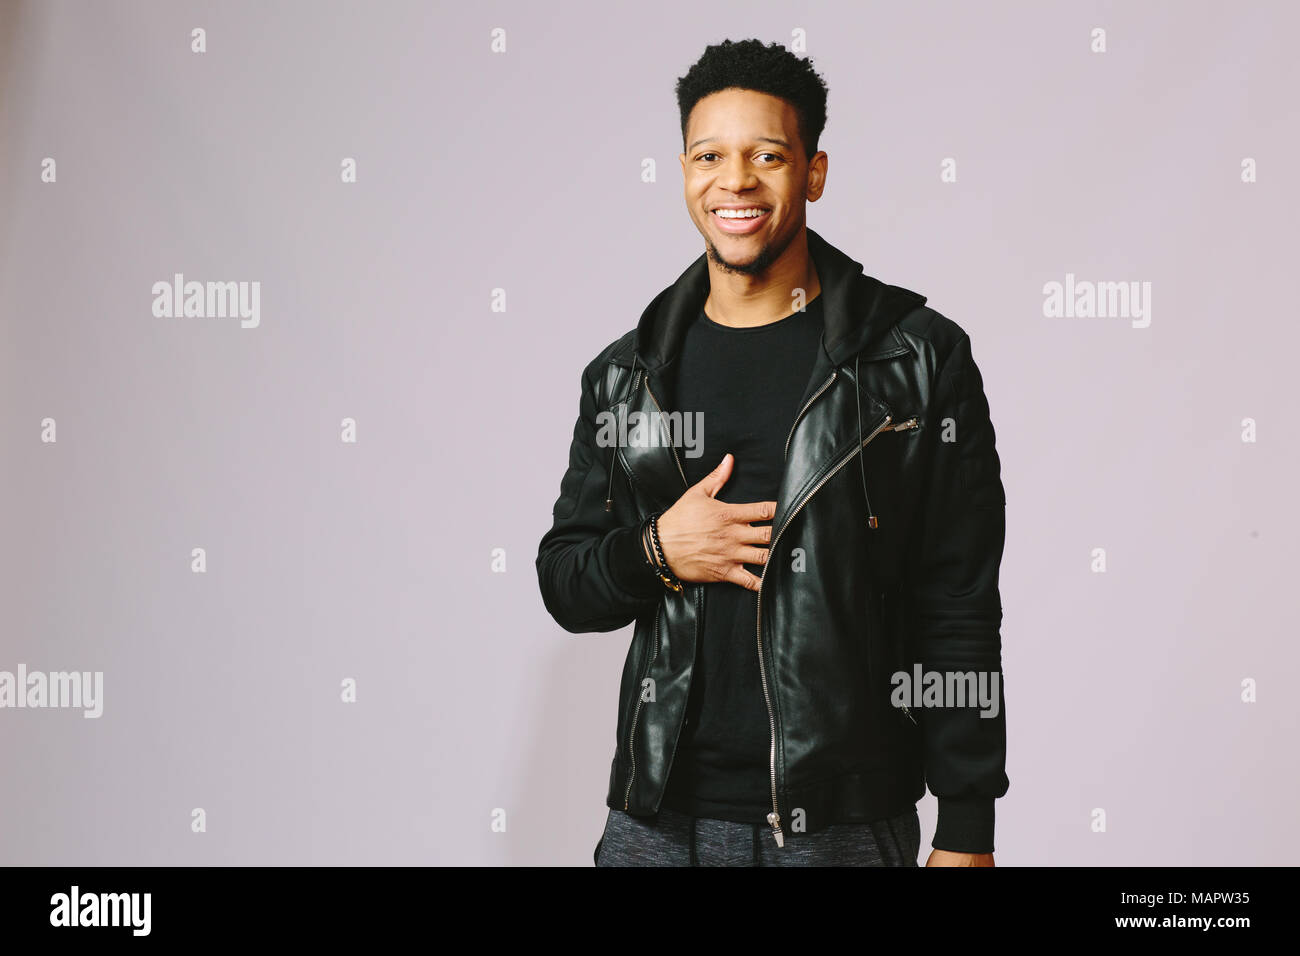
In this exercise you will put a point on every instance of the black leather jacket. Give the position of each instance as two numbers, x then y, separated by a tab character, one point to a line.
896	381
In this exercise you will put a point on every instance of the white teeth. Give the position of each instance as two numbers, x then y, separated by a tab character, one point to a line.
738	213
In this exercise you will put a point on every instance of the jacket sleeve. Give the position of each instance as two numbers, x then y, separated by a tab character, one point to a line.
591	570
955	607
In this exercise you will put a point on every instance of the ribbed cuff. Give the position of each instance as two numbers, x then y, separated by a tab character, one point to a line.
628	564
965	825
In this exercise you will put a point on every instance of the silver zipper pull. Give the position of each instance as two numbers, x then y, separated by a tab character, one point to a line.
910	423
908	713
774	819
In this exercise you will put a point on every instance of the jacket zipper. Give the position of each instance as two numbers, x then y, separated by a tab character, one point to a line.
631	734
774	818
805	408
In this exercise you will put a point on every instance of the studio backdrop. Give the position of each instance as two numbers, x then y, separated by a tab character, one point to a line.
286	543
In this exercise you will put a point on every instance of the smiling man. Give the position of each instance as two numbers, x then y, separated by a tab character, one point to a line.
844	525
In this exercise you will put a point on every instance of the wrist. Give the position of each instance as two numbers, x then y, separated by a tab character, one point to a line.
653	547
964	825
628	565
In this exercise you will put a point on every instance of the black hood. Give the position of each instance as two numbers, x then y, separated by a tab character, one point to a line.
858	309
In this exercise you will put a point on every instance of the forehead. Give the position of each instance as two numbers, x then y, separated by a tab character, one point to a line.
740	114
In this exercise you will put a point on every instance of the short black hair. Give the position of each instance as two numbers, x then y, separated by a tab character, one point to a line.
771	69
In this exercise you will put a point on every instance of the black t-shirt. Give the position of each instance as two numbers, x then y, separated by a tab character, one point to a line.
747	383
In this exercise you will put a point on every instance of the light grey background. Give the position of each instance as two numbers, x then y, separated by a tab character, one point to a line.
521	171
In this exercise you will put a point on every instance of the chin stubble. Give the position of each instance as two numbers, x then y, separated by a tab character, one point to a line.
766	256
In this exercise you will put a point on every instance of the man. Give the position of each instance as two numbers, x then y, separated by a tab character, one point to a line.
832	535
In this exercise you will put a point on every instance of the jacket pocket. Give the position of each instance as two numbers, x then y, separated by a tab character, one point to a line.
895	654
647	655
634	670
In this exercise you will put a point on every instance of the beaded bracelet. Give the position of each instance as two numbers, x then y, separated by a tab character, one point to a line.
650	537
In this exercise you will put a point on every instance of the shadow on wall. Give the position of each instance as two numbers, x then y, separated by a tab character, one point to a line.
17	20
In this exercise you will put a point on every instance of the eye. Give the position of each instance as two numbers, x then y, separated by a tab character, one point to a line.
776	156
704	156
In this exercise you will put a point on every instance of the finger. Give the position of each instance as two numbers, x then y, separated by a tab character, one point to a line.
752	511
753	533
738	575
752	555
712	482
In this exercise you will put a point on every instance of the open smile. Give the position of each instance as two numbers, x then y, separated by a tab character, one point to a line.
739	222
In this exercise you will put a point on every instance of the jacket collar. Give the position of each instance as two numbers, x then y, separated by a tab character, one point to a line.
860	312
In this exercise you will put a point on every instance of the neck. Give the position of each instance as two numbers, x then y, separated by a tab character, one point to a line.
743	301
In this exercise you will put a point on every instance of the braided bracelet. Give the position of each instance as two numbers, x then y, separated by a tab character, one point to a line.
647	548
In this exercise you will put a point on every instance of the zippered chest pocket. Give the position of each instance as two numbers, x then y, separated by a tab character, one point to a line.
906	424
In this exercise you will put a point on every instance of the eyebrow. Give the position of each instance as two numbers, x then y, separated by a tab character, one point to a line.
761	139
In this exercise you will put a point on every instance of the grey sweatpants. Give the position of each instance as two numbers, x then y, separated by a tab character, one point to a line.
675	839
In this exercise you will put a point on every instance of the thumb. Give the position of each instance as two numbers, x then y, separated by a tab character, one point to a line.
712	482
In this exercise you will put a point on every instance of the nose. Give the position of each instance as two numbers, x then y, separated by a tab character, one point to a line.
736	175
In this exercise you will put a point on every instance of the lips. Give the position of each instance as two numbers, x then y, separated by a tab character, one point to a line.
740	227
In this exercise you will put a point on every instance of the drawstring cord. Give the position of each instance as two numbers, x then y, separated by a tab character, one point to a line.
613	456
872	523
